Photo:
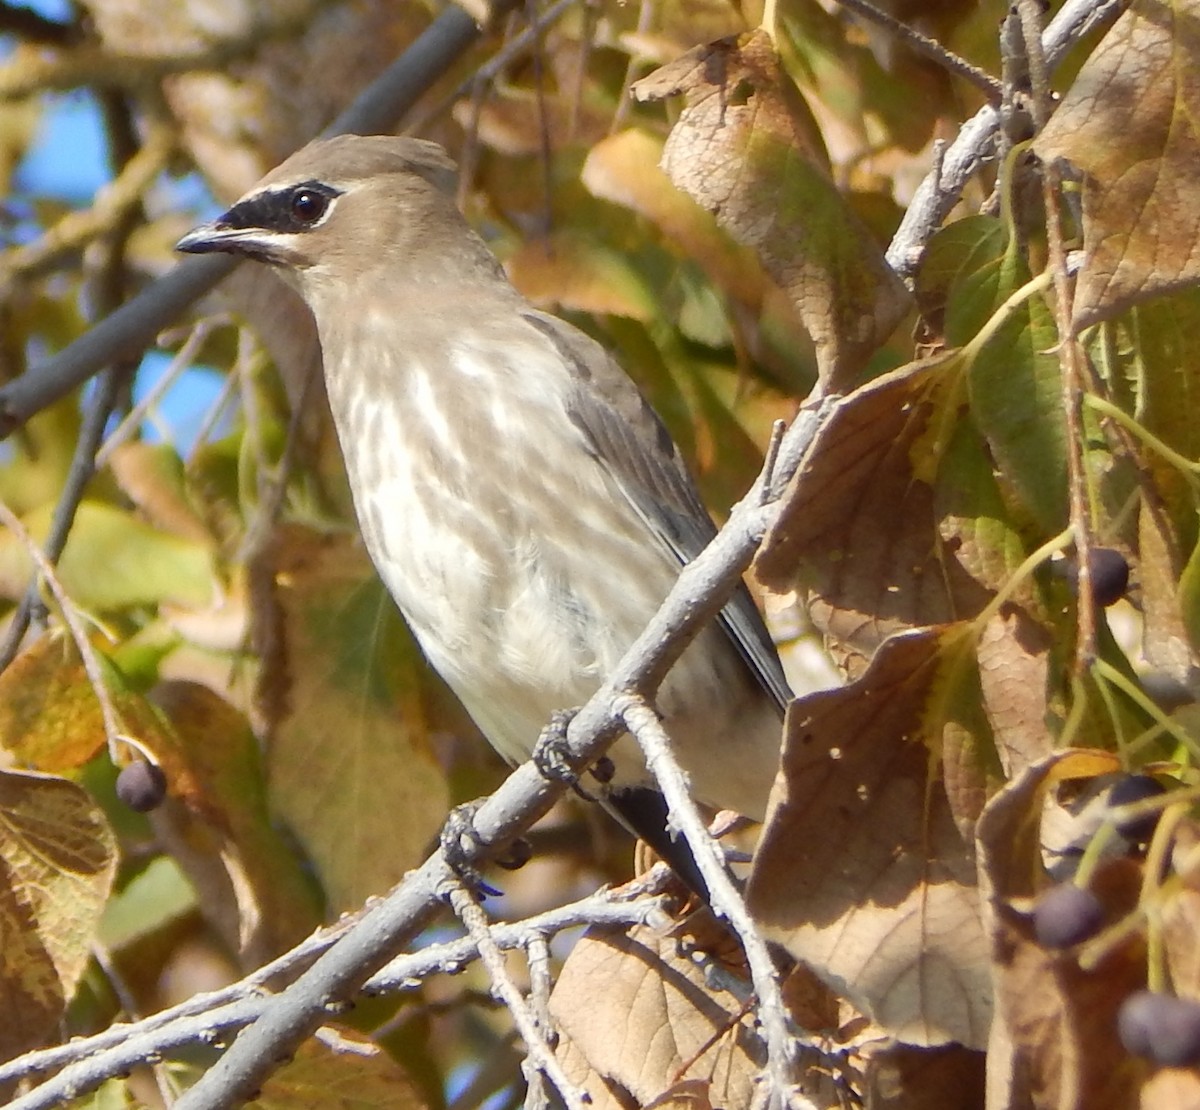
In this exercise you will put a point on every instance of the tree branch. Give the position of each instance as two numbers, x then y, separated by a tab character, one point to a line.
696	598
976	139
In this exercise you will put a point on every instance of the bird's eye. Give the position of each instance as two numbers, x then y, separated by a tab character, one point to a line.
308	206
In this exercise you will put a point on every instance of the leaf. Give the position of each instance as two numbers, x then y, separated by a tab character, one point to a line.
1014	676
861	872
1129	124
1056	1021
218	827
746	148
857	525
113	561
350	768
57	862
151	476
623	169
1015	386
339	1069
50	716
657	1031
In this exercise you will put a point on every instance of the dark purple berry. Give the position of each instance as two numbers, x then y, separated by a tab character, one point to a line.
1109	574
1136	788
1161	1028
1134	1019
1065	915
142	786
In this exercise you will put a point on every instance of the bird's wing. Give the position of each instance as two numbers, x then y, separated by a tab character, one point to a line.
630	441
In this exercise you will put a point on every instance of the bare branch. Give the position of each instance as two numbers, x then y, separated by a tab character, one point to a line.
975	142
533	1033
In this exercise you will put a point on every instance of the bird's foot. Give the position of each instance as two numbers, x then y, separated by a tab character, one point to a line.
552	759
550	755
460	844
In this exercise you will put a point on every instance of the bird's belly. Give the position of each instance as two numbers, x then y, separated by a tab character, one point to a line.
525	594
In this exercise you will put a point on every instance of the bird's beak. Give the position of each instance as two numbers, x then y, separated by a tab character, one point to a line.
217	235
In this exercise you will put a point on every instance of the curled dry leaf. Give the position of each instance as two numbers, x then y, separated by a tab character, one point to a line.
1129	124
746	148
655	1024
1055	1038
861	872
58	861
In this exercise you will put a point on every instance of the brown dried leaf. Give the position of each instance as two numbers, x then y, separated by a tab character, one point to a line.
49	716
1014	665
569	271
1056	1024
856	526
151	476
624	170
57	862
1167	643
1181	926
1129	123
656	1024
746	148
861	872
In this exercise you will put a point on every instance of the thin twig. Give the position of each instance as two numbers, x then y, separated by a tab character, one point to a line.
930	48
208	1018
182	361
645	725
537	957
75	626
976	140
471	914
1073	374
76	229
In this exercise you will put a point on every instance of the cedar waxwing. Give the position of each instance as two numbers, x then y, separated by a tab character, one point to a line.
522	502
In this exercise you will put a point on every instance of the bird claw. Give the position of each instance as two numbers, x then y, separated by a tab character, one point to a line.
457	833
552	758
550	754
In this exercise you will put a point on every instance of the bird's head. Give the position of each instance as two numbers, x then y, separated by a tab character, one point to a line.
344	208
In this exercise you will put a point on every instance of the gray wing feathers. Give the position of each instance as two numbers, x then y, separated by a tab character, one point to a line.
629	440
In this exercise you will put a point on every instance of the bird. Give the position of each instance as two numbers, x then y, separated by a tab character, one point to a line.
521	500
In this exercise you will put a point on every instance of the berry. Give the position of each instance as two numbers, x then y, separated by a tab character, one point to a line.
1161	1028
1134	1019
142	786
1136	788
1065	915
1109	575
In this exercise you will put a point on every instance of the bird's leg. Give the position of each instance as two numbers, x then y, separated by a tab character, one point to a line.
458	833
550	755
552	758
